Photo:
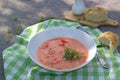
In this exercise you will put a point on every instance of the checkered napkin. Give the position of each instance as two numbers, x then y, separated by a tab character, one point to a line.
19	66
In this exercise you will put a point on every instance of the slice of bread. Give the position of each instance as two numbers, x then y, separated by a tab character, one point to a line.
110	39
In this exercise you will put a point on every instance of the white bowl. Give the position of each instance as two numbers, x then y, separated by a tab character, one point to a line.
45	35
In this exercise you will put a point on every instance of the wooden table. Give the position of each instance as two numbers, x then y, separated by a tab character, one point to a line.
29	11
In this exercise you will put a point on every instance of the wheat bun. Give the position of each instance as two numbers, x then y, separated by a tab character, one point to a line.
96	14
110	39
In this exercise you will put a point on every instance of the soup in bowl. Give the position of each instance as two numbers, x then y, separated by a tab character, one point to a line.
62	49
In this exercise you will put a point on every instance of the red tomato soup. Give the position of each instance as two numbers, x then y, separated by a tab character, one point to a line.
51	53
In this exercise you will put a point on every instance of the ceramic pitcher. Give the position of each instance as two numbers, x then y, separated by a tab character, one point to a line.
78	7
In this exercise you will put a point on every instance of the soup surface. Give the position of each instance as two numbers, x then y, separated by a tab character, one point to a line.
51	53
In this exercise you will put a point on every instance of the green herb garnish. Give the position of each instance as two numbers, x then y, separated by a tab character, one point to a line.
41	19
102	45
71	54
15	18
98	46
18	30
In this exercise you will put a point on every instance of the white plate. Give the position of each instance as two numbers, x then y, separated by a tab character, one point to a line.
45	35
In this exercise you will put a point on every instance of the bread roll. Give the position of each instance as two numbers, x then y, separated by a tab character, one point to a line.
109	39
96	14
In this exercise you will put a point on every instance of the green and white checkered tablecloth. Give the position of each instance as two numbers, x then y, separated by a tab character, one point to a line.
19	66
